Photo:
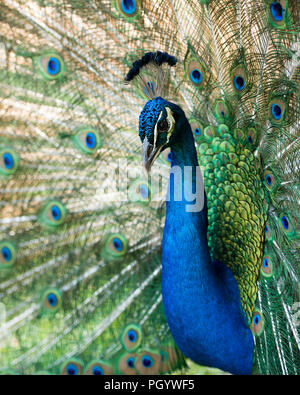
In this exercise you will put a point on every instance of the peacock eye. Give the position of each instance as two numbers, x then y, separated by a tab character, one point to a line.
115	246
163	126
50	65
128	8
130	362
196	76
9	161
53	214
53	66
147	361
52	299
7	254
131	337
276	11
72	368
97	371
239	83
99	368
257	324
87	139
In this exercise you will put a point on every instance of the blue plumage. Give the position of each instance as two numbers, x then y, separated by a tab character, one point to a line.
53	66
201	298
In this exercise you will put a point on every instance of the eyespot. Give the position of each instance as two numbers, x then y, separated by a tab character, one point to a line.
97	371
256	319
197	129
285	222
87	139
257	324
7	254
9	161
53	66
140	191
131	337
266	228
115	246
196	76
128	8
268	232
127	363
265	263
99	368
130	362
251	137
277	13
269	180
50	65
144	191
90	140
196	72
277	109
52	299
239	79
267	267
222	111
72	367
239	82
53	214
148	362
287	225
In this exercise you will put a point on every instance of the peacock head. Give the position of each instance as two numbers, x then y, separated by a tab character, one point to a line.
159	128
160	120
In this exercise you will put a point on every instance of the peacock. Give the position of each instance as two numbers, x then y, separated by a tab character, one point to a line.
149	178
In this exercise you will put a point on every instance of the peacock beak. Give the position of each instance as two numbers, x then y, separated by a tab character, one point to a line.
150	153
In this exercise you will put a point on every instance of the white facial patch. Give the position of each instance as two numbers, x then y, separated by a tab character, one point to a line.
171	122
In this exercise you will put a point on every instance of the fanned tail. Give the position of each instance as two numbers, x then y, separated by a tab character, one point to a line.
80	247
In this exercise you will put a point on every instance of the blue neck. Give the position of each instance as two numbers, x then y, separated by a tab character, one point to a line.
201	298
